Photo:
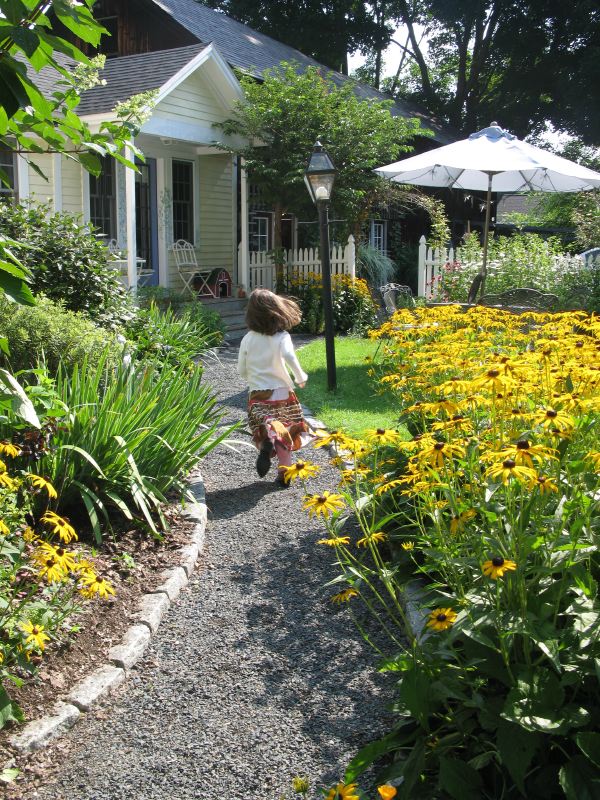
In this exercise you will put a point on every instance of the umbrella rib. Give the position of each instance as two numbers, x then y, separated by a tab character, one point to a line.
454	186
526	181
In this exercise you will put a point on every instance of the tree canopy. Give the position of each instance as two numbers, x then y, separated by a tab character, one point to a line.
283	116
31	122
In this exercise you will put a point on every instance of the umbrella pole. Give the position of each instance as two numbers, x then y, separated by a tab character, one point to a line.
486	233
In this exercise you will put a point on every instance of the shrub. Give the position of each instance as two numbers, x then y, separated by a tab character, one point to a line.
492	510
68	262
354	310
175	337
48	332
129	440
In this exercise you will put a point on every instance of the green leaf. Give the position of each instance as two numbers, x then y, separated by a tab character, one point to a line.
9	775
589	744
415	692
459	780
579	781
20	403
365	757
15	288
9	711
516	747
4	346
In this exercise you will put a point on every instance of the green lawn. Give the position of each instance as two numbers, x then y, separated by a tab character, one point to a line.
354	406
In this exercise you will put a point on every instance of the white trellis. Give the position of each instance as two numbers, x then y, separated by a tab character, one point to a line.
302	262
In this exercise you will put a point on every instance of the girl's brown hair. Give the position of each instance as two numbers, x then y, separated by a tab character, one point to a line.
270	313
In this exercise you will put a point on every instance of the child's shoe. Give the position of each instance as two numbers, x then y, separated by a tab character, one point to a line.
280	480
263	462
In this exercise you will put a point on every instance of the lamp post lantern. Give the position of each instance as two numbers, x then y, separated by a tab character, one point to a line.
319	178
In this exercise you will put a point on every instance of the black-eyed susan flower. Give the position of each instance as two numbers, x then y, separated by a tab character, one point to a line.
509	470
343	791
339	438
95	585
9	449
380	436
491	379
35	634
63	558
387	792
551	419
42	483
335	541
60	526
50	568
594	457
323	504
7	482
544	484
344	596
441	619
440	453
4	529
497	566
371	538
408	545
301	470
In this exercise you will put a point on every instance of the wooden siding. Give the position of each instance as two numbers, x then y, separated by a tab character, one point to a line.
214	246
41	190
72	189
192	102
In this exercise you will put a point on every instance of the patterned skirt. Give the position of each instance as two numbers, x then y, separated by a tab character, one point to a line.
281	421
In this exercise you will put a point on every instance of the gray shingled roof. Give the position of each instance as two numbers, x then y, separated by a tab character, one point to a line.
254	52
131	75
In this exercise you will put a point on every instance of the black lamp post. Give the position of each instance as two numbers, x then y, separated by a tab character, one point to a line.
319	178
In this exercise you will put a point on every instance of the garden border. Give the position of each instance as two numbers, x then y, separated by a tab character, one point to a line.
38	733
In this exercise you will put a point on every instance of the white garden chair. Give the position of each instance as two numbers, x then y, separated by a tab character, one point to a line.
189	270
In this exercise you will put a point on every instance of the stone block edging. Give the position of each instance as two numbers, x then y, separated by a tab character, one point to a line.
38	733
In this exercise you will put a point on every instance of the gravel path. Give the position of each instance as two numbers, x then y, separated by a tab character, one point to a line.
253	677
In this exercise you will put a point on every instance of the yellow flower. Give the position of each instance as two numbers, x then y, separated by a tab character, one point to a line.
497	566
458	523
51	569
42	483
441	619
374	538
555	420
544	484
344	596
510	469
60	526
4	529
491	380
301	469
343	792
36	635
335	437
524	452
7	481
323	504
300	784
8	449
335	541
594	457
408	545
94	584
387	792
381	436
439	453
29	534
62	557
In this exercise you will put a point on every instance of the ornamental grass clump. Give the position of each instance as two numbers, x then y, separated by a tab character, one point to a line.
489	516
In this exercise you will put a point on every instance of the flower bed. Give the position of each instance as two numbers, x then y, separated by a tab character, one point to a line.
490	515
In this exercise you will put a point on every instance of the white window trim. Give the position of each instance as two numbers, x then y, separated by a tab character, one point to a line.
195	197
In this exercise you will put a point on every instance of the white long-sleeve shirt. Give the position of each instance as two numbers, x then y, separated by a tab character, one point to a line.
262	361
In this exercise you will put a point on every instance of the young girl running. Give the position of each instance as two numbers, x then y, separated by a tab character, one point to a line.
274	413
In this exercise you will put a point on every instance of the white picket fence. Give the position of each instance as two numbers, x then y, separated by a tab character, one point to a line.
430	264
261	269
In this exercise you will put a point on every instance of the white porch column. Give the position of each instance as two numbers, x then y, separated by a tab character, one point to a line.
57	165
163	245
22	178
130	221
244	273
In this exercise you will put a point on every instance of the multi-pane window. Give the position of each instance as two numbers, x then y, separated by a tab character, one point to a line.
378	236
7	165
260	233
103	199
183	201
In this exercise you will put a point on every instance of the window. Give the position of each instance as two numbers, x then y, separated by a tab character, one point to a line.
183	201
378	237
103	199
8	167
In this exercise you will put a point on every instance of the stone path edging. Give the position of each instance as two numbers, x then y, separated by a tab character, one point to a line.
152	607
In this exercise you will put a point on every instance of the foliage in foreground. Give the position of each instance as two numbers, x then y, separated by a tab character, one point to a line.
490	515
354	310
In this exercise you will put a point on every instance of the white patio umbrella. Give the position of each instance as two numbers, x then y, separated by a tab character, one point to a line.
494	160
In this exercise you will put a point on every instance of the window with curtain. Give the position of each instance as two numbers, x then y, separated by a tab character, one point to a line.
103	199
183	200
